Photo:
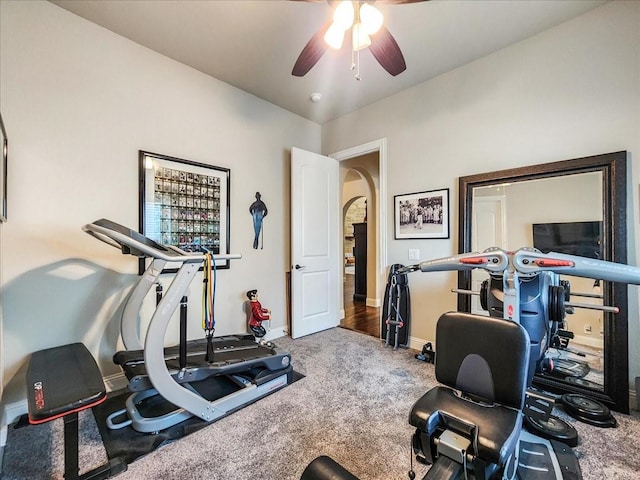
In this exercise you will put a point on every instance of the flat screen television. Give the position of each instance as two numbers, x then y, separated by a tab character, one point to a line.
572	238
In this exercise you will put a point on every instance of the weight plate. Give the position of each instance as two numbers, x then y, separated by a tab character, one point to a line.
552	304
484	295
609	422
556	304
553	429
585	407
569	368
581	382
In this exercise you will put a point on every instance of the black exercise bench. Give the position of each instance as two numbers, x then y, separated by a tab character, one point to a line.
61	382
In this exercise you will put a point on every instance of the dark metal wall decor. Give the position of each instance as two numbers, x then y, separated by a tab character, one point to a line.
184	204
258	211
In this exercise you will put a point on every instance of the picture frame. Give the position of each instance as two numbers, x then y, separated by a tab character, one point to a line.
421	215
184	204
4	160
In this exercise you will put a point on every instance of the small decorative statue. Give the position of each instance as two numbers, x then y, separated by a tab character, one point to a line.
258	211
258	314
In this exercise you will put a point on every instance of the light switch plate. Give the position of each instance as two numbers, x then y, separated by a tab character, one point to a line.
414	254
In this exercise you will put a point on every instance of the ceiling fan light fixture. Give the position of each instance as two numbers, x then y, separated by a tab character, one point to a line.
343	15
334	36
360	39
371	18
367	31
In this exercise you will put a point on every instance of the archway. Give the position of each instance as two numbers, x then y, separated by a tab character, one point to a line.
360	247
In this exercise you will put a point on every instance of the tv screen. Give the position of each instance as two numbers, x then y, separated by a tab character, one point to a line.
572	238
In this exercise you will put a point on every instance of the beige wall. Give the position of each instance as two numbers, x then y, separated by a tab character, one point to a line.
569	92
572	198
79	102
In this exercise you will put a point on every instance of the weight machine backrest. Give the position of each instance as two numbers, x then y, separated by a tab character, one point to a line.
482	356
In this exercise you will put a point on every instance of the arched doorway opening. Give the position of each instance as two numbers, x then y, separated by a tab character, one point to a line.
360	296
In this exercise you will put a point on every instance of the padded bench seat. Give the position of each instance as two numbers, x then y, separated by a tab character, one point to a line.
62	380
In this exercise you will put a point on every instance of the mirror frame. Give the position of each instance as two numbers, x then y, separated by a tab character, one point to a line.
613	167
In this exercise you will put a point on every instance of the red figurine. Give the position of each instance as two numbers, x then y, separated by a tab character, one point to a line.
258	314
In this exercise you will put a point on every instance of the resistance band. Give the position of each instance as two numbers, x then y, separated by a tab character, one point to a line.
208	303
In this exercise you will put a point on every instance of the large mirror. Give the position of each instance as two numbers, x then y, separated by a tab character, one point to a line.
574	206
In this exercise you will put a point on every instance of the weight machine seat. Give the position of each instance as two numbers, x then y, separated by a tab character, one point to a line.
483	363
497	427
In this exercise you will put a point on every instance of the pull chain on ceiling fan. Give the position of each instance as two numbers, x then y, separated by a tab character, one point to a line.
364	20
367	31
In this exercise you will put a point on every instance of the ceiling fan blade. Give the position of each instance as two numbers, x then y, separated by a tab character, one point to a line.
386	51
311	53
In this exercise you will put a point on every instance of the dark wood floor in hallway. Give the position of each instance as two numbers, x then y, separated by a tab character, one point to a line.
357	315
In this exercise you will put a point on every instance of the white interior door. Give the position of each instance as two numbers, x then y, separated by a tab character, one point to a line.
488	231
314	243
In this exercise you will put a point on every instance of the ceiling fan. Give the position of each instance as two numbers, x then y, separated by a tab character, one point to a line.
367	30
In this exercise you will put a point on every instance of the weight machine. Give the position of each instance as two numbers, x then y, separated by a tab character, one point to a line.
526	289
472	426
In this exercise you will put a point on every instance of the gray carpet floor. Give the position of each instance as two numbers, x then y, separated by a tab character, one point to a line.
353	405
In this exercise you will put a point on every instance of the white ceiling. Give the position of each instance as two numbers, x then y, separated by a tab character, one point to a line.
253	44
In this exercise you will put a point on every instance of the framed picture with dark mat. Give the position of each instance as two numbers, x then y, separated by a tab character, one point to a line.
184	204
421	215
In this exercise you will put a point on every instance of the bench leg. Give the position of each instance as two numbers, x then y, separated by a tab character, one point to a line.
71	446
111	468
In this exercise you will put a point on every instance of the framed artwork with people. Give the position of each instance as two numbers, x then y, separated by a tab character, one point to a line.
184	204
421	215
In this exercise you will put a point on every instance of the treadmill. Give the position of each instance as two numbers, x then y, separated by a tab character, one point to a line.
206	378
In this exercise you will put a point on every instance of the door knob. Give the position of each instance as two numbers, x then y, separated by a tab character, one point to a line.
299	267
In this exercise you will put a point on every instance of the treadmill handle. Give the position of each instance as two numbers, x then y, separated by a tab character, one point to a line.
117	239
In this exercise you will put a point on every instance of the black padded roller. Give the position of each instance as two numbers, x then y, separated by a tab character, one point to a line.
325	468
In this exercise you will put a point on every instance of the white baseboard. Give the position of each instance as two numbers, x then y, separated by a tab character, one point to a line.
277	332
11	412
417	343
373	302
116	381
633	400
